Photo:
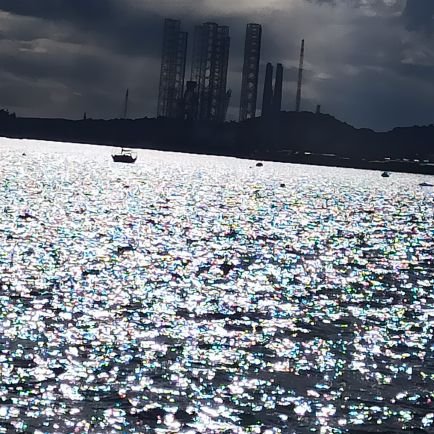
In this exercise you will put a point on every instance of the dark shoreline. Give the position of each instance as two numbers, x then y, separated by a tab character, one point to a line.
301	138
310	160
383	166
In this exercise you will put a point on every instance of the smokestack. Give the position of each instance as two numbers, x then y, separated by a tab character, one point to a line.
267	99
124	114
300	78
278	85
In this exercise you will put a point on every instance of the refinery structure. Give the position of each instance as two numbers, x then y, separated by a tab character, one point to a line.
172	72
205	96
272	96
209	70
249	86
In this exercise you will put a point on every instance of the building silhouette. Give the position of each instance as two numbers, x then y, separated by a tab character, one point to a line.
209	70
172	73
272	97
249	86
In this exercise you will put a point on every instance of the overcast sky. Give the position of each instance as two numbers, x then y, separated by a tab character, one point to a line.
368	62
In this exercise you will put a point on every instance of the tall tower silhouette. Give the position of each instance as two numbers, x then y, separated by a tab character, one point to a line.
300	79
272	98
209	70
278	86
267	98
172	72
249	86
125	111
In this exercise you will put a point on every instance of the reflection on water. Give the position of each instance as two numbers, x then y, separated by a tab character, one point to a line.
202	294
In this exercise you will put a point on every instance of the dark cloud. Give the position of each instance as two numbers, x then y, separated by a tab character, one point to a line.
108	23
419	15
63	57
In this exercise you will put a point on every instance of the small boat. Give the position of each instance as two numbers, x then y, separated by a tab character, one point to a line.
385	174
126	156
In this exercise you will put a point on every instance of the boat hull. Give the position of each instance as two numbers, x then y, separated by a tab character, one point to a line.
123	159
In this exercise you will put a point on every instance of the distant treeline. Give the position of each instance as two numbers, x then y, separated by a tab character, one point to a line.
286	137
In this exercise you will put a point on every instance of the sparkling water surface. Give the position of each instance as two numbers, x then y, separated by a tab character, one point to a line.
204	294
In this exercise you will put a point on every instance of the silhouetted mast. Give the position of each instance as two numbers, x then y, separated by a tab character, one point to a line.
300	78
125	106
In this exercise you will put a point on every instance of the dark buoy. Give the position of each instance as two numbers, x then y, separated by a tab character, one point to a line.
122	249
226	267
283	185
385	174
259	164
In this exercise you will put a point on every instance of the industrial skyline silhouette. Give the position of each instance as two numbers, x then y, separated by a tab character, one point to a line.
194	112
206	92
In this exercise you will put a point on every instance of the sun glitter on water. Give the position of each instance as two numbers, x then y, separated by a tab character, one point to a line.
204	294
